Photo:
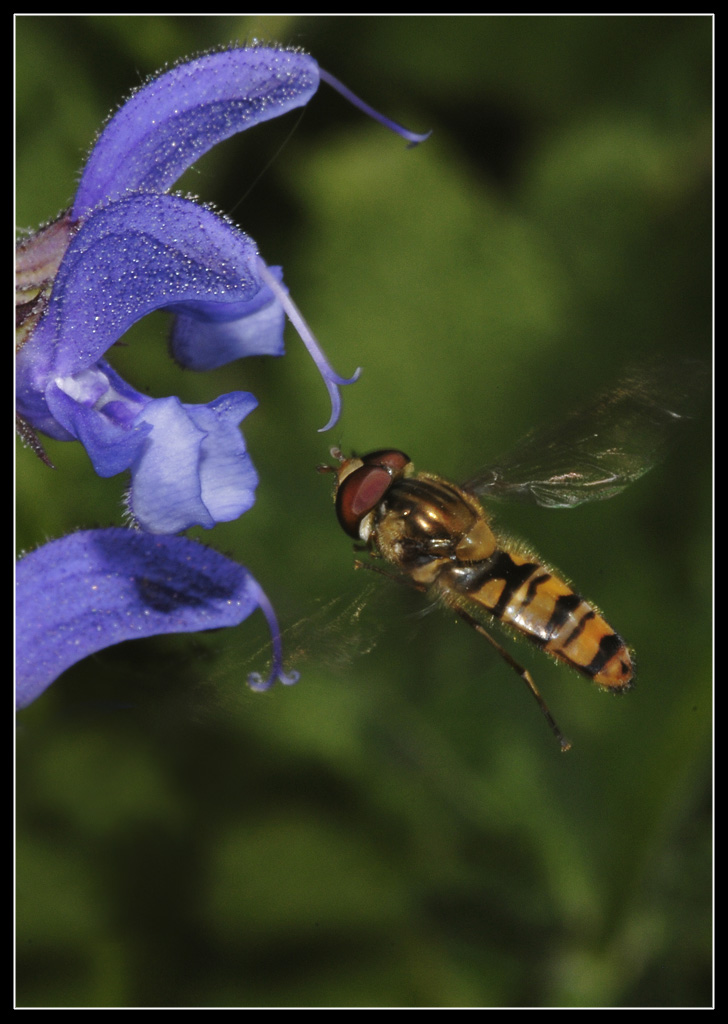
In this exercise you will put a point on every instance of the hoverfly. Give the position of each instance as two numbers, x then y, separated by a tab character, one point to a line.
438	538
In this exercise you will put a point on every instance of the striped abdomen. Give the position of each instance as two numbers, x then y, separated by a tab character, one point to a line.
525	595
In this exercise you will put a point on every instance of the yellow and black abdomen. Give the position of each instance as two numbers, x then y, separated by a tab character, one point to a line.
524	594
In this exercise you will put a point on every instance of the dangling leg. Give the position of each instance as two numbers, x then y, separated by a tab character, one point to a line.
522	672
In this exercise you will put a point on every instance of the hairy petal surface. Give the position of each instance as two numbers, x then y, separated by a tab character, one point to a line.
168	124
143	253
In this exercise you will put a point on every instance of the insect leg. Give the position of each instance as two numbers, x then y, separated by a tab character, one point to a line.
522	672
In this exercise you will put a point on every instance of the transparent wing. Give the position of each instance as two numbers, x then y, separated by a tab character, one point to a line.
596	452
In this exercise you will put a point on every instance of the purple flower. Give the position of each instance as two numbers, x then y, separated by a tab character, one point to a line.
126	248
93	589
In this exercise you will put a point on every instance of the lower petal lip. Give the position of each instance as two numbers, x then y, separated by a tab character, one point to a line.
96	588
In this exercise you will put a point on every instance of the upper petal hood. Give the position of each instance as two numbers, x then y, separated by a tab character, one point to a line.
168	124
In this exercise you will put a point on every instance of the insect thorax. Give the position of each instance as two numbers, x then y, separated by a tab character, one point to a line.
424	519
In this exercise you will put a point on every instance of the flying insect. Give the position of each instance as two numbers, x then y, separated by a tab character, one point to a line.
437	537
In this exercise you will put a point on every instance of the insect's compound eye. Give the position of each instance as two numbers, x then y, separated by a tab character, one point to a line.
394	461
358	494
360	490
363	488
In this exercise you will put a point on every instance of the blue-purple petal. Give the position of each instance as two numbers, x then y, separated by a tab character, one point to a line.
189	464
140	254
206	344
168	124
95	588
102	411
125	250
194	468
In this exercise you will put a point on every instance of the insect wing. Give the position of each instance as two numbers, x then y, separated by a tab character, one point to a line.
596	452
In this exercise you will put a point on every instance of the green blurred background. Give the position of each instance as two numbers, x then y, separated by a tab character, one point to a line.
400	827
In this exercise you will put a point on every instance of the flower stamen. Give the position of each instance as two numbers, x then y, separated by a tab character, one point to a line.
255	680
413	138
332	380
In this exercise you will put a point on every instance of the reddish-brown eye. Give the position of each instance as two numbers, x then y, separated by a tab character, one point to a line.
358	494
361	490
388	458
